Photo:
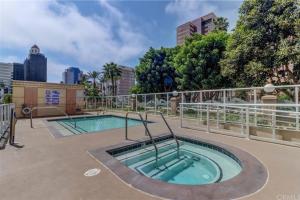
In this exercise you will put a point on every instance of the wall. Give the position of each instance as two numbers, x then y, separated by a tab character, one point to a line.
34	94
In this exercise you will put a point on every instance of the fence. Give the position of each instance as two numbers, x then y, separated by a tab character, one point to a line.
162	101
5	116
270	122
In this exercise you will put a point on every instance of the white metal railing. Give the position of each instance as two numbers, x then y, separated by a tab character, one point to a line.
272	122
5	112
162	101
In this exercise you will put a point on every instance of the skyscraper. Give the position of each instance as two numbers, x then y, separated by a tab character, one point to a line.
201	25
6	73
72	75
35	66
18	71
124	83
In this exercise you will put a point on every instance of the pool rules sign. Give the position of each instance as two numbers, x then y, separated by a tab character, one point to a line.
52	97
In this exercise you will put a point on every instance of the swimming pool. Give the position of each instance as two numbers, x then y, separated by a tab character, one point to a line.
90	124
204	169
196	163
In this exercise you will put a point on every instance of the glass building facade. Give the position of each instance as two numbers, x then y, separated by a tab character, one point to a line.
35	66
72	75
18	71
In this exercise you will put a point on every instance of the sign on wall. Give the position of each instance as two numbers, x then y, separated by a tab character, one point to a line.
52	97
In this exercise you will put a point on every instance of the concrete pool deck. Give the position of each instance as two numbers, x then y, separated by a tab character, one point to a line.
49	168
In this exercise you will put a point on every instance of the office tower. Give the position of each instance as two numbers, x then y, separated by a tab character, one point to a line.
6	75
124	83
35	66
72	75
201	25
18	71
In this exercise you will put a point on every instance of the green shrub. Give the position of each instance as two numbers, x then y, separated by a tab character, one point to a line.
7	98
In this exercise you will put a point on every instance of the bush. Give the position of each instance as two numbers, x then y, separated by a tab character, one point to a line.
7	98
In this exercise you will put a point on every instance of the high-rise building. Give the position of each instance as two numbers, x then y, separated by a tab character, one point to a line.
6	75
18	71
35	66
72	75
124	83
201	25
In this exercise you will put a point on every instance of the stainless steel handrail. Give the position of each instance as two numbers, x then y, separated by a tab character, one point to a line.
167	124
146	128
45	107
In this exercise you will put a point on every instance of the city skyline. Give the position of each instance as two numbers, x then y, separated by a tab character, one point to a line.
123	30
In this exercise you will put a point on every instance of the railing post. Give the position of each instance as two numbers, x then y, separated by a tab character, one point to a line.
255	102
167	104
247	123
224	102
242	121
155	102
146	123
273	125
136	103
218	118
31	118
207	118
128	103
111	103
201	100
181	114
145	103
297	107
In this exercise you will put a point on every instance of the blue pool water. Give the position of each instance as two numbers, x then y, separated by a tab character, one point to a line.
196	164
95	123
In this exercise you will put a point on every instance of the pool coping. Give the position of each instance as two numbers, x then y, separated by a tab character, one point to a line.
57	134
252	178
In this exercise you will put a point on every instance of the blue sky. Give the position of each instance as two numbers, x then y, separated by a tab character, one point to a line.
87	34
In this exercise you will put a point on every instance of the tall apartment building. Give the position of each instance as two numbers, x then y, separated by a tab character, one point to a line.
72	75
126	81
6	75
201	25
18	71
35	66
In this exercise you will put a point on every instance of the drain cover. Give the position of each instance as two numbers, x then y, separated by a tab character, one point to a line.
92	172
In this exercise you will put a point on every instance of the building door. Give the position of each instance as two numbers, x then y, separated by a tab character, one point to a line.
71	101
31	98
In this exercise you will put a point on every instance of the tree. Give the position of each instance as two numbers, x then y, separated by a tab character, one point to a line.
112	72
155	71
91	91
198	62
221	24
265	44
94	76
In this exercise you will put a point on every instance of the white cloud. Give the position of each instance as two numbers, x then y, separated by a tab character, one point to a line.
61	29
186	10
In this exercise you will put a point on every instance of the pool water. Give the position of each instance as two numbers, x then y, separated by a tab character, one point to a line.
95	123
195	165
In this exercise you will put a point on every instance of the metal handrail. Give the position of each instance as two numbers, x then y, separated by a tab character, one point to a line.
45	107
171	131
146	128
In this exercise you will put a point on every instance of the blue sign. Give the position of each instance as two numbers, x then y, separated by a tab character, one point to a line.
52	97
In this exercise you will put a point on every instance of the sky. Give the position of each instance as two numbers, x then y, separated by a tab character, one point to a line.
88	34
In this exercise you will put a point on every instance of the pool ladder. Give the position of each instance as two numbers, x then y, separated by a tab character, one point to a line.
164	119
147	132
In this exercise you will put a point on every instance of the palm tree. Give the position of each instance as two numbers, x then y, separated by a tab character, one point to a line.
112	72
94	75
